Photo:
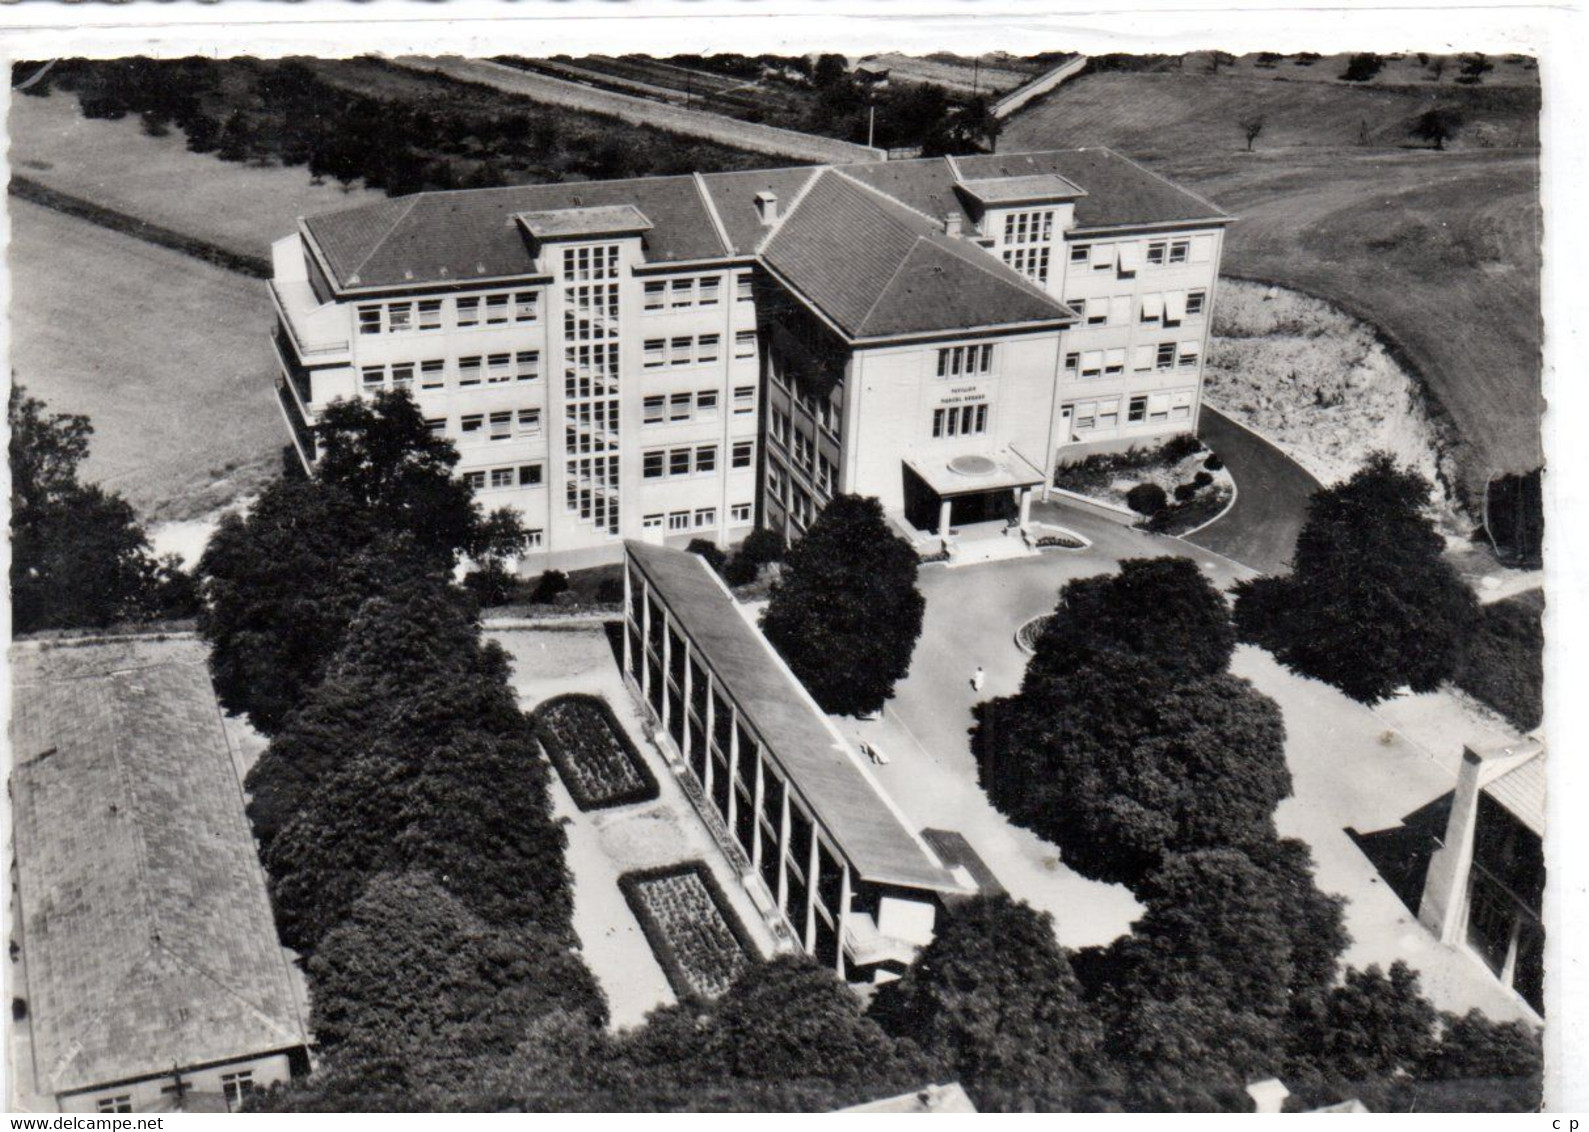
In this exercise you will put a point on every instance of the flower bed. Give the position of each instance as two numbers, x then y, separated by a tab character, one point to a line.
695	936
1195	483
592	753
1027	635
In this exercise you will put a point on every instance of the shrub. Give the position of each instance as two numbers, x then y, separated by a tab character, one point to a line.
1473	1047
1146	499
1214	462
762	546
1502	662
1362	67
549	585
1202	479
610	591
1178	448
715	558
491	585
1307	58
1185	491
741	571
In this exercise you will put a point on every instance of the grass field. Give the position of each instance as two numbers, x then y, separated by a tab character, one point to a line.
167	355
1439	251
113	163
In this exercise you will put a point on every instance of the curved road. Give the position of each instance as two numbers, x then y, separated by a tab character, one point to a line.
1272	493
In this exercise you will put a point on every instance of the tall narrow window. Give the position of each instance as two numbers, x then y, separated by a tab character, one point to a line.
369	320
469	312
430	314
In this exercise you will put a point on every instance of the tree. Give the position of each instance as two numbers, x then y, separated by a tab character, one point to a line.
994	1002
1362	67
1376	1024
1438	124
79	558
846	613
1472	1047
831	70
1371	604
1252	123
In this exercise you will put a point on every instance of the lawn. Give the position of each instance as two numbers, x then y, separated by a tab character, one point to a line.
1439	251
166	354
115	164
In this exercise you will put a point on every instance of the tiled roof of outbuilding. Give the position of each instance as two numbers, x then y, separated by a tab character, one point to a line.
148	938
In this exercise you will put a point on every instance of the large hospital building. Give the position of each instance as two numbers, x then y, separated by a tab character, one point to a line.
669	358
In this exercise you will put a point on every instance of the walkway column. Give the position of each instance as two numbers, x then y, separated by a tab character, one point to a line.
943	518
1026	507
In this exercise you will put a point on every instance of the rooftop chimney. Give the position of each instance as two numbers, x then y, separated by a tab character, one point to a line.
1268	1095
952	224
767	208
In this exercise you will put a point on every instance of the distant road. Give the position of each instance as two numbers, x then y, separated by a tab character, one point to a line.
644	111
1272	493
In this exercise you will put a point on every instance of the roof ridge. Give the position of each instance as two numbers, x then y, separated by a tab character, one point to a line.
783	218
882	292
1193	193
985	261
204	972
711	212
413	201
873	189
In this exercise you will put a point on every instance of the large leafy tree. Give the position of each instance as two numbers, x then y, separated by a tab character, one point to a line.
1370	604
1376	1024
846	613
993	1000
79	558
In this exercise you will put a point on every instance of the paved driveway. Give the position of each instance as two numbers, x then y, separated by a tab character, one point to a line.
1272	493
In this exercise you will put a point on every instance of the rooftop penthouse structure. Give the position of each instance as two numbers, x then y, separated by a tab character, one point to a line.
667	358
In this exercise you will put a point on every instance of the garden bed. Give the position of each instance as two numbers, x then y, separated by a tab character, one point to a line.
592	753
1026	637
1189	484
697	939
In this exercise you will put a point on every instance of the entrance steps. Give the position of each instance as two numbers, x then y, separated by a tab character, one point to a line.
972	552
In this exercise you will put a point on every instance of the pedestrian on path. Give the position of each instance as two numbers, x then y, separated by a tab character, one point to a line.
978	678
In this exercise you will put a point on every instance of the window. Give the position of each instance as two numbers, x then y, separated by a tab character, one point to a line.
744	399
744	453
1136	410
432	374
501	477
472	422
1188	355
469	312
745	344
1114	362
1174	308
496	310
742	289
403	374
1156	253
706	458
499	368
120	1103
1181	405
529	421
1098	312
655	409
530	475
1159	407
679	521
780	425
1103	257
653	522
529	364
1180	250
469	370
436	426
1072	364
655	352
1080	253
656	297
740	514
430	314
374	375
534	539
706	517
707	348
679	462
679	407
1085	416
965	361
1164	356
706	294
1079	306
1030	262
826	472
1195	301
1109	413
1120	310
963	420
775	481
526	306
1091	364
1029	227
683	293
680	351
475	480
1152	307
399	317
651	465
706	404
369	320
501	425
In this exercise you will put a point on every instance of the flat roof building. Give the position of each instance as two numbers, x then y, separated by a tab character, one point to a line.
823	845
147	955
674	357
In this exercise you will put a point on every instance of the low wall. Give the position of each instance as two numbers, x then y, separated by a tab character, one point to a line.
1044	83
1097	507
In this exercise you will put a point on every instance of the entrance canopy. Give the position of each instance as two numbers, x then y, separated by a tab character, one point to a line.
974	474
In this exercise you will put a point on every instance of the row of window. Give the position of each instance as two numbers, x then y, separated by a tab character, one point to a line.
823	410
1144	408
965	361
490	369
505	424
1163	356
518	475
674	408
236	1087
698	291
959	420
739	515
1169	308
700	349
693	460
466	311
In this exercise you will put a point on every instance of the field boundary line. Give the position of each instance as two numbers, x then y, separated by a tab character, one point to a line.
24	188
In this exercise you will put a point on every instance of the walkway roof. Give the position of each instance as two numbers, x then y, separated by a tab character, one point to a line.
829	777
